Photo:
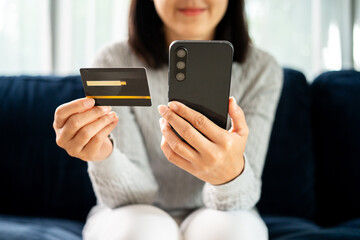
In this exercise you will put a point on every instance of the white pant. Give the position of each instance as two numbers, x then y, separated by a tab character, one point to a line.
146	222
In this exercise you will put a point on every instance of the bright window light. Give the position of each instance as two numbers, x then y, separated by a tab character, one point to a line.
357	46
332	52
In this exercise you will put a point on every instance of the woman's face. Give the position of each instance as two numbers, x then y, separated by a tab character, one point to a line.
190	19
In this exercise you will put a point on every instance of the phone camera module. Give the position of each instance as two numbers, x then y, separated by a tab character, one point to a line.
181	57
180	77
180	65
181	53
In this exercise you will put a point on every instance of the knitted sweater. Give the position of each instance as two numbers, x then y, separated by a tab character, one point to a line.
137	171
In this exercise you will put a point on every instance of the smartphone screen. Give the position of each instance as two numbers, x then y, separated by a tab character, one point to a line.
200	76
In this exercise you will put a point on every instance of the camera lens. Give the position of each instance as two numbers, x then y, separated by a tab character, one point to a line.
180	65
181	53
180	77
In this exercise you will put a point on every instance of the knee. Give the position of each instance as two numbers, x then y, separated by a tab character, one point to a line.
135	222
147	222
213	224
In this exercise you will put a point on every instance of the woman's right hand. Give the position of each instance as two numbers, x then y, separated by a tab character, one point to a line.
82	129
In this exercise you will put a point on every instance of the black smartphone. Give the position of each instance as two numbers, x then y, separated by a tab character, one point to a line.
200	76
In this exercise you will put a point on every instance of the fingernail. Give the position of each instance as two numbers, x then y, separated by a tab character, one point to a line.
106	108
234	101
173	106
89	102
161	122
162	109
113	115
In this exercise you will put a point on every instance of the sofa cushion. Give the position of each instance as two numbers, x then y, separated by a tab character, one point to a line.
336	121
288	177
37	177
30	228
291	228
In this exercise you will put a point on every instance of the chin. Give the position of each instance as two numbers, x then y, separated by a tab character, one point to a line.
192	33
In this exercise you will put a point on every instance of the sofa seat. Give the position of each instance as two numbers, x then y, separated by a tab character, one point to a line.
31	228
293	228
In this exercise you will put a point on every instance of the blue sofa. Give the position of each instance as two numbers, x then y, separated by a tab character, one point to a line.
311	185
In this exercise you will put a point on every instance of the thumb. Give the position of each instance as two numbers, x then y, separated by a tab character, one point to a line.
238	122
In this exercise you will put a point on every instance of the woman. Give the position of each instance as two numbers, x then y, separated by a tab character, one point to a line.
147	181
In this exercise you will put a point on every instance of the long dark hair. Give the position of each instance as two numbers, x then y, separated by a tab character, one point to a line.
147	39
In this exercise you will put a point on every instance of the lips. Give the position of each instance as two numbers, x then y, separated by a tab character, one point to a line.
192	11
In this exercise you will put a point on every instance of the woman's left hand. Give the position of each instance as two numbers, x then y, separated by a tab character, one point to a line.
217	158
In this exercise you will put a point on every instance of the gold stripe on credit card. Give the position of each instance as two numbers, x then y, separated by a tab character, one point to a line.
106	83
120	97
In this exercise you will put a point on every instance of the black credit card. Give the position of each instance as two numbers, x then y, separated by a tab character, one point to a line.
116	86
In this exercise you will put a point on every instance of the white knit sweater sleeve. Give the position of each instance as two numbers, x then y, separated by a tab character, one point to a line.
125	177
263	86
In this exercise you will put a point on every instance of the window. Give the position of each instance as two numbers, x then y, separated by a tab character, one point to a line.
24	37
82	27
61	36
309	35
357	35
57	36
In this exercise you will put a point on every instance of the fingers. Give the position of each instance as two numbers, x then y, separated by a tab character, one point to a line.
184	129
176	144
79	120
63	112
237	118
86	133
94	145
75	146
175	158
198	120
